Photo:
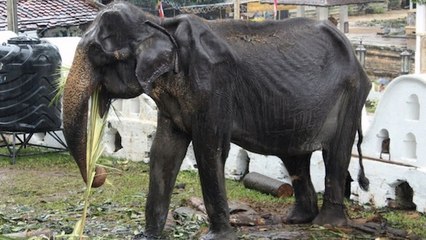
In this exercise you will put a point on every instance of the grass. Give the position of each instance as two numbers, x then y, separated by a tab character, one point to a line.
414	222
46	192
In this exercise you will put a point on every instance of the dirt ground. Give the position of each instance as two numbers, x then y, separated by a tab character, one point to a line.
394	14
46	201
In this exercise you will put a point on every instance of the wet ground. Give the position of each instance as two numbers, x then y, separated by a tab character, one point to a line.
48	203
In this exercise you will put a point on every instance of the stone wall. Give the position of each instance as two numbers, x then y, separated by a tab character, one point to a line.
384	62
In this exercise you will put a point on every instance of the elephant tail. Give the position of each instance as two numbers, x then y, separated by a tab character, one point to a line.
362	179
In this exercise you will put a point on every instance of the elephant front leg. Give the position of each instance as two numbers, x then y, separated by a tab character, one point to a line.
211	152
167	152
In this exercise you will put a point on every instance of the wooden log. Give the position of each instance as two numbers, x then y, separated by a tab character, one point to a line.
197	203
44	233
265	184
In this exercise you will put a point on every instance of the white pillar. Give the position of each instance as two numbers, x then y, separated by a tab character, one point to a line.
344	18
236	9
300	11
322	13
12	15
420	59
411	4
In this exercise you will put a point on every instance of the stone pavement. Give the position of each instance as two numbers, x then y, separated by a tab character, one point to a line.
369	34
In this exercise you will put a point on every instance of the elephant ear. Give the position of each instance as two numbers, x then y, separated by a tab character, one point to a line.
110	37
205	57
156	56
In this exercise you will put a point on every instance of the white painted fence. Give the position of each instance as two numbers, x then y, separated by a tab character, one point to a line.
400	117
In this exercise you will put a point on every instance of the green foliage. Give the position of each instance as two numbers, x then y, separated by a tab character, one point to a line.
371	105
413	222
187	227
419	1
394	4
60	84
377	9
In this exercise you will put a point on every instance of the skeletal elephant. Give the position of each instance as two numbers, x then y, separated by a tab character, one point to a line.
284	88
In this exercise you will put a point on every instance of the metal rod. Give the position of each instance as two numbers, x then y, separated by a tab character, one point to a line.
384	161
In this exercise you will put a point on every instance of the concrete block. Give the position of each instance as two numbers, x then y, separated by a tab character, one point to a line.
129	138
270	166
237	164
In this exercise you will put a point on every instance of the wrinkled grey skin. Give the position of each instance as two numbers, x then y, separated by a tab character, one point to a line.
283	88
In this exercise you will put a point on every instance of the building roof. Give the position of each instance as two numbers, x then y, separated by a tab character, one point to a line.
321	3
44	14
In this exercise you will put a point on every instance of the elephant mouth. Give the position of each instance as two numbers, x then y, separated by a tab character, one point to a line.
104	102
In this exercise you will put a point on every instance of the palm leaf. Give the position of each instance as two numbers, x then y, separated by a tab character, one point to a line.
96	126
60	84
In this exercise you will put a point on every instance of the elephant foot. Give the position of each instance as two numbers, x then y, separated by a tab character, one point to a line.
144	236
332	214
227	235
300	215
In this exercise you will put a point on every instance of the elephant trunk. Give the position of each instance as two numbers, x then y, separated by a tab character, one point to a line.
79	87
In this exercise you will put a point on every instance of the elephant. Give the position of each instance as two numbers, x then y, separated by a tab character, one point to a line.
284	88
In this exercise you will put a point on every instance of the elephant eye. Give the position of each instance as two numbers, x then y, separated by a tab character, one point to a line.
98	57
108	42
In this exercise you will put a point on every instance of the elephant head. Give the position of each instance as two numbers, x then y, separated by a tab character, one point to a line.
118	41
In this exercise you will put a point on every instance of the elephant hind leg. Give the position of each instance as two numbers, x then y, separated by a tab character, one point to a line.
333	209
305	208
337	155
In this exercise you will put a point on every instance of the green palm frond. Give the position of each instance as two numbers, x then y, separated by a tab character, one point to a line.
60	84
96	126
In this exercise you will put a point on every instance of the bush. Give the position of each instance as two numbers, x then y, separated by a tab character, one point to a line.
394	4
371	105
374	10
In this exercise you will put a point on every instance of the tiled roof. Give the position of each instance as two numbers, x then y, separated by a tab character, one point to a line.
41	14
